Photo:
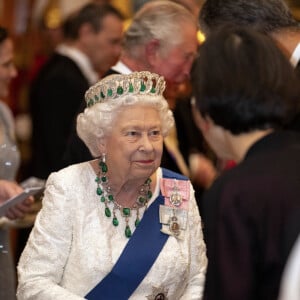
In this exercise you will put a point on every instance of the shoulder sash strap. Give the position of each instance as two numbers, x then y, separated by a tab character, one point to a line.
138	255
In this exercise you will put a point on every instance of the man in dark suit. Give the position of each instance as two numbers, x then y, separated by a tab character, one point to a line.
92	45
170	53
271	17
246	92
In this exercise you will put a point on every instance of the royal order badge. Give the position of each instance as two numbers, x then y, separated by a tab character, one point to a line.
174	213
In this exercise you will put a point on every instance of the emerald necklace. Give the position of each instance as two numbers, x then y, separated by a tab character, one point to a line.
104	191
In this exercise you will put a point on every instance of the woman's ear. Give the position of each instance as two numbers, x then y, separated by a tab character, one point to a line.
203	123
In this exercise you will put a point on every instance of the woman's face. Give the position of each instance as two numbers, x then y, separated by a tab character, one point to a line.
7	68
134	147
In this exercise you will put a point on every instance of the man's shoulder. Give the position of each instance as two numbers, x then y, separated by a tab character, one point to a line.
60	65
60	69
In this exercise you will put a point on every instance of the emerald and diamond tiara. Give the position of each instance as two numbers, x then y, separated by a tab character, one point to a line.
117	85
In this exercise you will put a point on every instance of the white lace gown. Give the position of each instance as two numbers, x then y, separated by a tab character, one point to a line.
73	246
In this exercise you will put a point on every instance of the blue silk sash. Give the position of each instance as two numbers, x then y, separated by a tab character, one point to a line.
138	255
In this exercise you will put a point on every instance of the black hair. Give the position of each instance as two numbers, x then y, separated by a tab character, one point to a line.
92	14
243	82
263	15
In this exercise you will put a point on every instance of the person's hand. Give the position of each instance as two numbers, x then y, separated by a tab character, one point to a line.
10	189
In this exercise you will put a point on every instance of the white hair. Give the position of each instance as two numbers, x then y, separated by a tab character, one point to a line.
97	121
159	20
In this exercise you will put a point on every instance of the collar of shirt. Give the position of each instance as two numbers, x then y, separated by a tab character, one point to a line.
81	60
121	68
295	56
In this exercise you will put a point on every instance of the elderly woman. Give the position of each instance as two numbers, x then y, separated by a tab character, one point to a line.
246	92
119	226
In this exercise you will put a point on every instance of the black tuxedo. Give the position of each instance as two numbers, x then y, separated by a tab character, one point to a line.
247	217
55	97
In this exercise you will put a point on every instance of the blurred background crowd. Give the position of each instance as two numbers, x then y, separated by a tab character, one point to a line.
36	29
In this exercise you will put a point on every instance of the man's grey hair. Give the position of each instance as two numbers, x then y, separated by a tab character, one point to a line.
157	20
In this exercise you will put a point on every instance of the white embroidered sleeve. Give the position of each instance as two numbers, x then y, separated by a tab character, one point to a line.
41	265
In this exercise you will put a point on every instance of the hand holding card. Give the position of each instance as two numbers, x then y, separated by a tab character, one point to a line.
28	191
